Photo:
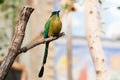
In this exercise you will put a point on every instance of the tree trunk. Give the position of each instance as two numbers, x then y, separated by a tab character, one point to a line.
69	45
16	42
93	37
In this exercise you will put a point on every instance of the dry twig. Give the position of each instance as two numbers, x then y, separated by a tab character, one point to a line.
26	48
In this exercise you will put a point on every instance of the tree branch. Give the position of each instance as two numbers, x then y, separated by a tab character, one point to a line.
26	48
16	42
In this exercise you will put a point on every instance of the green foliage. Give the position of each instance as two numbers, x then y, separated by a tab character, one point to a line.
118	7
4	41
9	10
3	34
75	0
100	2
2	1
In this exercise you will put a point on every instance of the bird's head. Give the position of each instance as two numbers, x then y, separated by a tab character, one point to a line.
55	13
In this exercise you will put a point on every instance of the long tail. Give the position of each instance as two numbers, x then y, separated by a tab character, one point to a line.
44	59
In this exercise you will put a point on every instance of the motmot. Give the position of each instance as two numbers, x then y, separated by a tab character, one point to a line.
52	28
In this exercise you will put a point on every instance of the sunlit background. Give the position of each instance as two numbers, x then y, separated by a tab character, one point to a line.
27	65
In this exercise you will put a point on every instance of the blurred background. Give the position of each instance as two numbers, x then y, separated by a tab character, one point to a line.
69	57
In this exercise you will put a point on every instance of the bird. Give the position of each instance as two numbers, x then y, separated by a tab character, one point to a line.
52	28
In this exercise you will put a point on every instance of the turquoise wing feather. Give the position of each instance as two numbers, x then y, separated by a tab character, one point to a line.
46	31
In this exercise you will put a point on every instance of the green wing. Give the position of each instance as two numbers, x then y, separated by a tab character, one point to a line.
46	31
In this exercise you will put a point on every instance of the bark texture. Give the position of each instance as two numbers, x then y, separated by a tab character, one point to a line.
93	37
16	41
